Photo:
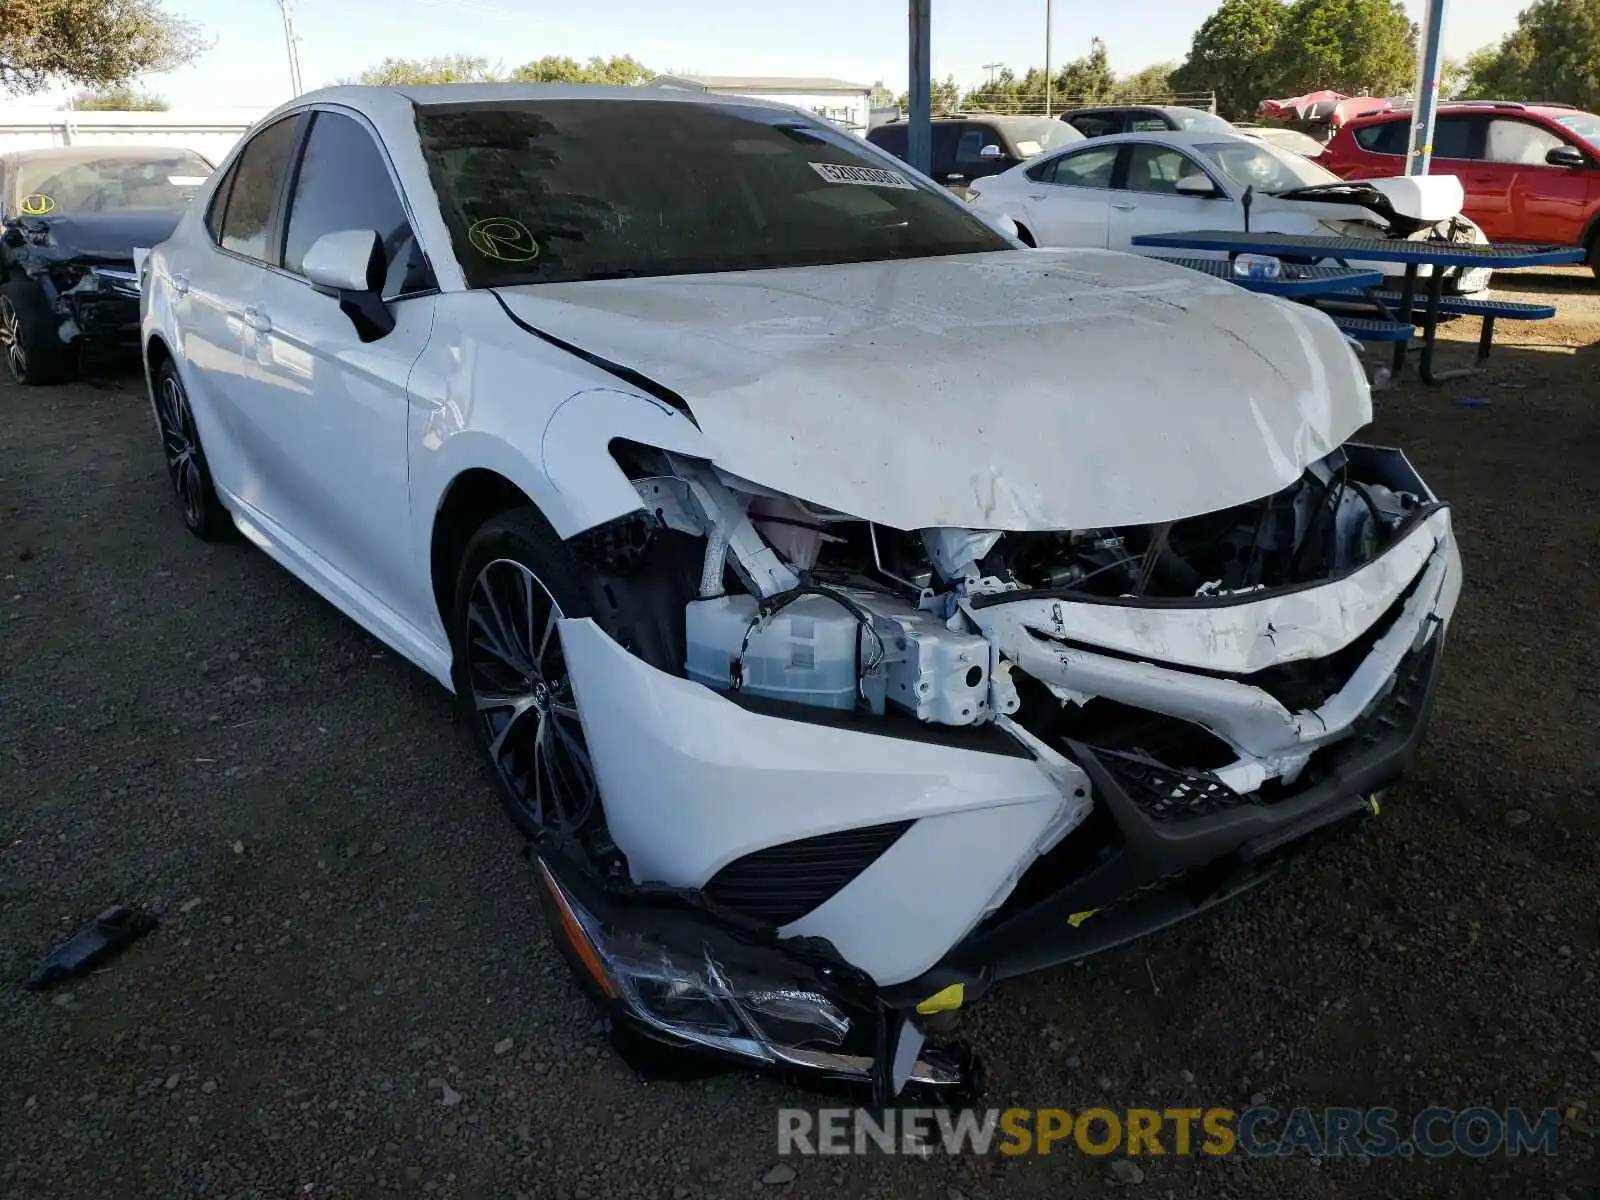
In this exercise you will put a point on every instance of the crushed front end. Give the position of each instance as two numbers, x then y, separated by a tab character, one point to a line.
87	276
891	768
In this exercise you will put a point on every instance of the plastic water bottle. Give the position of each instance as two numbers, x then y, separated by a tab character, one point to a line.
1257	266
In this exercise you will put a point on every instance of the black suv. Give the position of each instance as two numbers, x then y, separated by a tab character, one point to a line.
1143	118
969	147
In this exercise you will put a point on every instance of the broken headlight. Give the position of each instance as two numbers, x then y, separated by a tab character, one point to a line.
693	996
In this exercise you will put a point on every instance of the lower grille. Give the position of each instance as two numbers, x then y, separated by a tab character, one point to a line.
1164	793
783	883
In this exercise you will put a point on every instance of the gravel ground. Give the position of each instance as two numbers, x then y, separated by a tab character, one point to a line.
352	992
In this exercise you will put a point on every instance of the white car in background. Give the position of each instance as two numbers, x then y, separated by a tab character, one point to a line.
854	607
1105	192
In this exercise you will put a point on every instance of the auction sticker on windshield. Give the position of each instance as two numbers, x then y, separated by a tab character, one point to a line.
867	176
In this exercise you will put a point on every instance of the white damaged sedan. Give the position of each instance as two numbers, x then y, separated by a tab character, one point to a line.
854	608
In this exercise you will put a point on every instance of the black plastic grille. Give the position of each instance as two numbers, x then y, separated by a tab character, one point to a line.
1166	794
783	883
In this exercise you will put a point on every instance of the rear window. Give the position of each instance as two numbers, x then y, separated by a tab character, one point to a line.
1032	136
558	191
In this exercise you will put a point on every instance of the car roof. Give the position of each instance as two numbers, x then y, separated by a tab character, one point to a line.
1456	107
1170	137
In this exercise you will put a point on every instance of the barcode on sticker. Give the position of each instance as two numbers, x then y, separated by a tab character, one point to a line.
869	176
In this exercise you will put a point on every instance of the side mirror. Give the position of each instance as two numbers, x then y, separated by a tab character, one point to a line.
1197	186
1566	156
348	264
991	151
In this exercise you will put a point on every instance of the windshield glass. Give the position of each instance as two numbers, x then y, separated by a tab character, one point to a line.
1265	167
563	190
103	181
1032	136
1585	125
1198	120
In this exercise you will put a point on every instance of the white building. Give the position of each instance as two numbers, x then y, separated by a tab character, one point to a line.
210	132
847	104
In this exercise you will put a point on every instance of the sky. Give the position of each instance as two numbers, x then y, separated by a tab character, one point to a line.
859	40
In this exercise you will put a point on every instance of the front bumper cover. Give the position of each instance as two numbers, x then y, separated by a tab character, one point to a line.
1150	866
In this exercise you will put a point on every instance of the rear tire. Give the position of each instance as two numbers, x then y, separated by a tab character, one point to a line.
190	475
30	337
1594	253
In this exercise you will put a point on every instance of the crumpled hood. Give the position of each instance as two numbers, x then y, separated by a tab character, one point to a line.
1049	389
100	237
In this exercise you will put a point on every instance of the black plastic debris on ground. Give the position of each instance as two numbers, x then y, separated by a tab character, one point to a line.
112	932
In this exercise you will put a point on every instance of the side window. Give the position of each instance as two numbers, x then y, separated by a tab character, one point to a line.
946	135
343	183
1153	168
253	190
219	203
1086	168
891	138
1453	137
1387	137
1095	125
1513	141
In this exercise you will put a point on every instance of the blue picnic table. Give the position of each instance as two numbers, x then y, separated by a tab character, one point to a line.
1411	254
1297	280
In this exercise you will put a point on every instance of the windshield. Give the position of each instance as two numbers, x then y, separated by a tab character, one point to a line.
563	190
103	182
1198	120
1585	125
1033	136
1265	167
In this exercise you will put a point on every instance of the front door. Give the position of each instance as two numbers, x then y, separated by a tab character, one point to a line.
1149	201
1546	203
333	408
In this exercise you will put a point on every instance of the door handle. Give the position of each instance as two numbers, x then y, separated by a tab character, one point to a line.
1036	196
257	320
180	283
1125	207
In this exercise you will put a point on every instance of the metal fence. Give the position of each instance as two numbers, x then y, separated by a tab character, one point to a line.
1033	104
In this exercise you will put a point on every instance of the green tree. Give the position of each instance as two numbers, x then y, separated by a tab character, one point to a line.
1359	47
442	68
625	71
1086	80
945	98
118	99
1553	54
1152	83
96	43
1235	55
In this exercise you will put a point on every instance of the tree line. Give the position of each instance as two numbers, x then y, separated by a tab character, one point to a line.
1244	52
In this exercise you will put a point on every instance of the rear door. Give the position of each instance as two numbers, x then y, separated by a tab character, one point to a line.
1147	199
215	280
1545	203
1458	149
1069	197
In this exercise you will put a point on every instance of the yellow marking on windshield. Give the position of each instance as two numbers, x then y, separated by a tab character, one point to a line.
37	204
503	239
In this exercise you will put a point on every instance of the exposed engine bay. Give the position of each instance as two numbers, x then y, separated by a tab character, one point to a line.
808	607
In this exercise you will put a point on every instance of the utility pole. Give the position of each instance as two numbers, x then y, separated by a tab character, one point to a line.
289	44
1047	57
992	68
1429	64
919	124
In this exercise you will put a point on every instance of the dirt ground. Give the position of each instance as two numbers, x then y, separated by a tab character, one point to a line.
352	992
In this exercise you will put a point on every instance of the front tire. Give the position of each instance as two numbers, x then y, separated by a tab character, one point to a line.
515	580
187	470
30	337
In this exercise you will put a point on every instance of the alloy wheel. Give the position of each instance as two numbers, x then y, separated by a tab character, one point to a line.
11	339
181	444
523	699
